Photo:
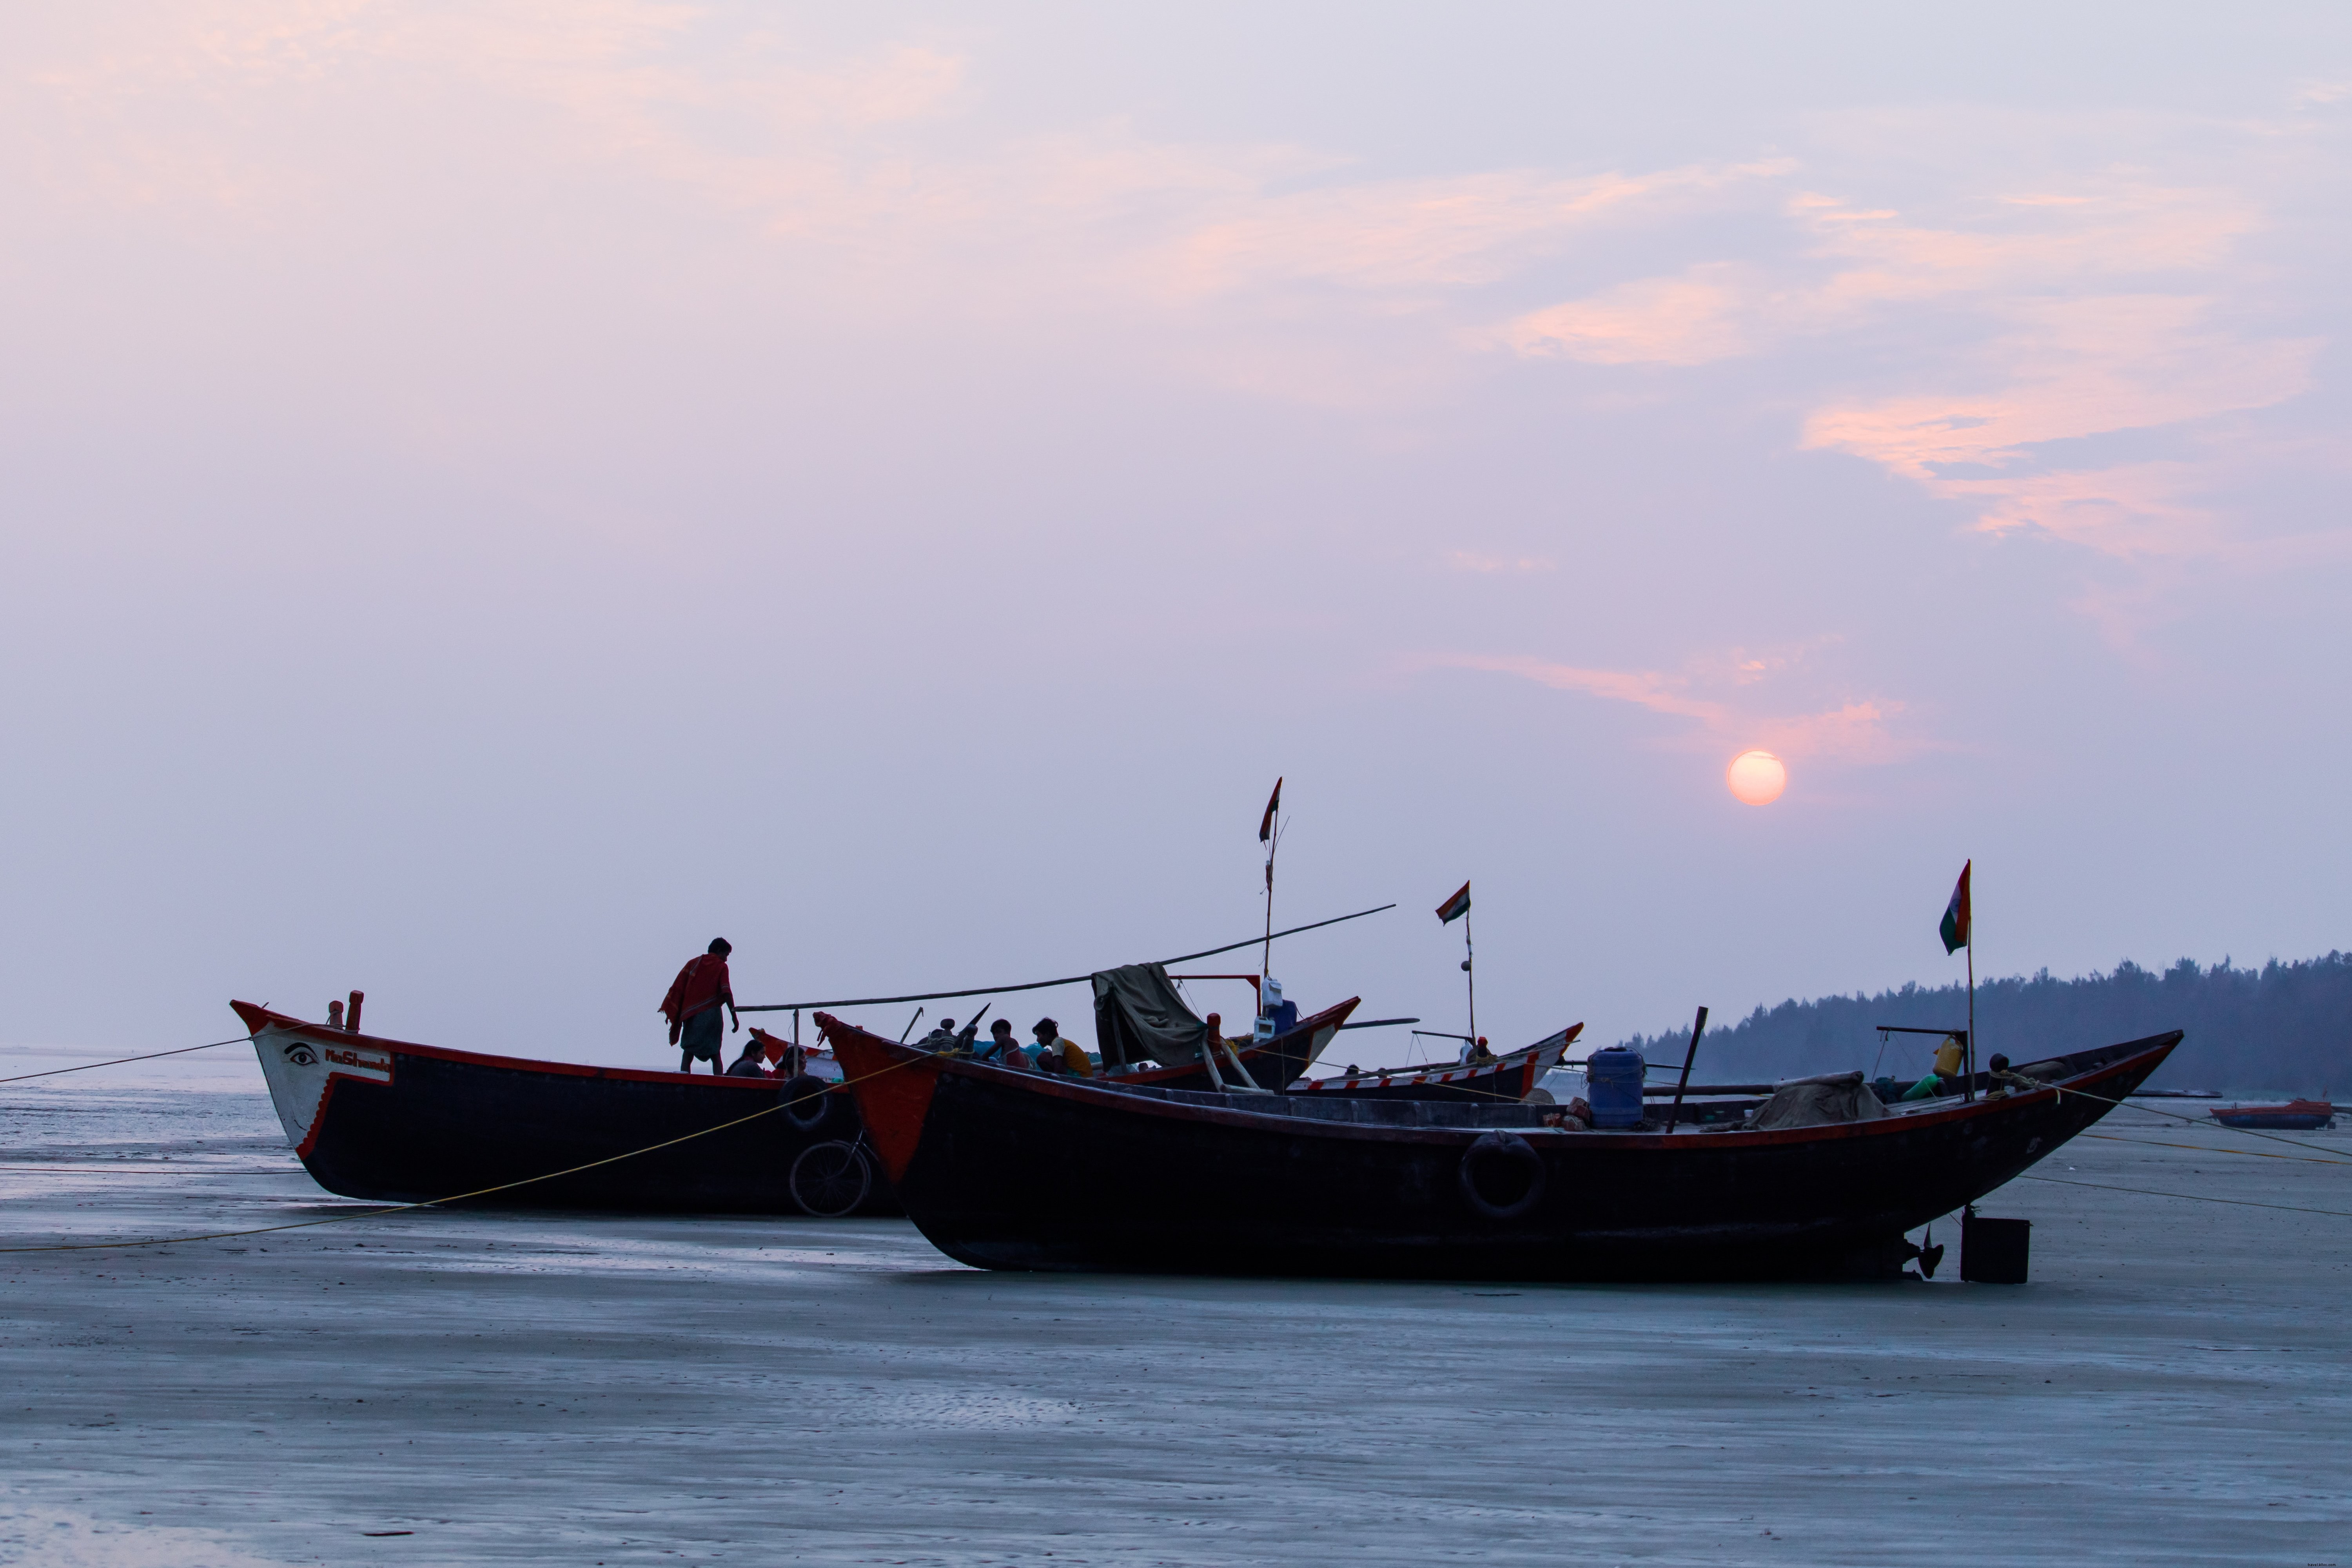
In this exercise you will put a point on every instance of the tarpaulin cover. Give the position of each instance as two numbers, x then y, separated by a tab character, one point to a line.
1139	1018
1818	1101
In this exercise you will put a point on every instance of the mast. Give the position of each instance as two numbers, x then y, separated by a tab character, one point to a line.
1971	1092
1470	978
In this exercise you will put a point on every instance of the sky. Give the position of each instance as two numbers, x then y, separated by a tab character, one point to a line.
493	495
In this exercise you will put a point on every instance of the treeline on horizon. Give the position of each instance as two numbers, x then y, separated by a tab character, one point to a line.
2284	1027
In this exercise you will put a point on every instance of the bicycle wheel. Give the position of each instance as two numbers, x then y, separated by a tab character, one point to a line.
830	1180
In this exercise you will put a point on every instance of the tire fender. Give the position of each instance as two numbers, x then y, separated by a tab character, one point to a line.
1504	1162
809	1103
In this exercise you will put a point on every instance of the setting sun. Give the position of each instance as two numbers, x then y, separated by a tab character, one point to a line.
1757	777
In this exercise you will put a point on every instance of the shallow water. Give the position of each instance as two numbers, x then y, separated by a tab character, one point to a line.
580	1389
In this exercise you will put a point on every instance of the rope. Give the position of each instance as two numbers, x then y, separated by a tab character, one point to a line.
118	1061
2210	1148
460	1197
1044	985
2192	1198
2193	1121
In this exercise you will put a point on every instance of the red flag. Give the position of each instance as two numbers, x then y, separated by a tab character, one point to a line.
1273	804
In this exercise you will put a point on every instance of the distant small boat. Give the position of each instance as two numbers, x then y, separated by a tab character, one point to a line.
2294	1116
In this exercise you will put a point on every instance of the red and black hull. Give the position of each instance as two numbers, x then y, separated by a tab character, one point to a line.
398	1123
1008	1171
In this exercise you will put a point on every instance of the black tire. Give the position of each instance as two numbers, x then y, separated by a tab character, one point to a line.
810	1105
1502	1176
831	1179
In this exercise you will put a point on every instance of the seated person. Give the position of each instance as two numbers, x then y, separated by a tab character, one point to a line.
1055	1054
1002	1049
1477	1051
750	1064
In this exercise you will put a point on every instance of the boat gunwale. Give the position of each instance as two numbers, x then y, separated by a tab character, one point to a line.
286	1024
1110	1097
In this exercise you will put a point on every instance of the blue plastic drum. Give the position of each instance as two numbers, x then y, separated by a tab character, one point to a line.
1613	1086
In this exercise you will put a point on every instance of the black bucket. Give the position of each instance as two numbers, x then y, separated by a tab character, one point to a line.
1994	1251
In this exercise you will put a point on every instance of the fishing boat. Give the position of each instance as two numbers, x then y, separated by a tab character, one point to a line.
394	1122
1275	1062
1510	1077
1012	1170
2294	1116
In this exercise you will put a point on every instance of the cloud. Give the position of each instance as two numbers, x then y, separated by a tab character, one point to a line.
1704	314
1855	732
1875	261
2075	369
1423	235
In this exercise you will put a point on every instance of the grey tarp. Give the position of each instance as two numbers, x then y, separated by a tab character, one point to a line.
1139	1018
1816	1101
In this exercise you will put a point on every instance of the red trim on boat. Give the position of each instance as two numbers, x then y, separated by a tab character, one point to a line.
256	1018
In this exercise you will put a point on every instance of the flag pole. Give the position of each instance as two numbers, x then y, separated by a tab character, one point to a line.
1266	958
1470	976
1971	1092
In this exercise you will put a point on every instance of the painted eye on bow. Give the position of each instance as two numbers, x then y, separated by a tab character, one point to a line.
300	1055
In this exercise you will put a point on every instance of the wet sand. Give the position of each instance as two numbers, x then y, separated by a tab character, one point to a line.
2171	1388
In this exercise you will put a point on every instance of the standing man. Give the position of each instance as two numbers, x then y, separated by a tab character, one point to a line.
693	1005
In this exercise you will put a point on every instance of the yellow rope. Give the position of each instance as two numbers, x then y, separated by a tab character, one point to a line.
460	1197
2192	1198
2210	1148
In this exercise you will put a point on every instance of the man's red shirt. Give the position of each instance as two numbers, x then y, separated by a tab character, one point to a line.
702	985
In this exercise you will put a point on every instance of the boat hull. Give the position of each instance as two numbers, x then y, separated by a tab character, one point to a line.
1002	1172
2302	1116
397	1123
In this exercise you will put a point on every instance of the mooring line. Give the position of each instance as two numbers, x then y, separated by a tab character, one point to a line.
2193	1121
2210	1149
150	1055
460	1197
2192	1198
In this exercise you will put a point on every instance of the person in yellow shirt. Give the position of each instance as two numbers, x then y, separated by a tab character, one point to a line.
1055	1054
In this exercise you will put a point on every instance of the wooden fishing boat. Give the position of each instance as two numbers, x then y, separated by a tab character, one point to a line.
398	1123
2294	1116
1275	1063
1510	1077
1012	1170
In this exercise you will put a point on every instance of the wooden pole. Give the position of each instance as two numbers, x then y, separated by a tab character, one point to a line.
1689	1056
1266	959
1968	1091
1471	975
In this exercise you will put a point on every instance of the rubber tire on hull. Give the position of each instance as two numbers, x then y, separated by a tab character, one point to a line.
1502	1176
810	1105
831	1180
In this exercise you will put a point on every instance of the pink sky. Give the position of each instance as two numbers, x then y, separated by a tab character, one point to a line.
497	494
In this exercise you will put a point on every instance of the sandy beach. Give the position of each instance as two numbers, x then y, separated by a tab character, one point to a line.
2174	1386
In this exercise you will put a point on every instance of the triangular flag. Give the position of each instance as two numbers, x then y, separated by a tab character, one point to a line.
1955	928
1273	804
1454	908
